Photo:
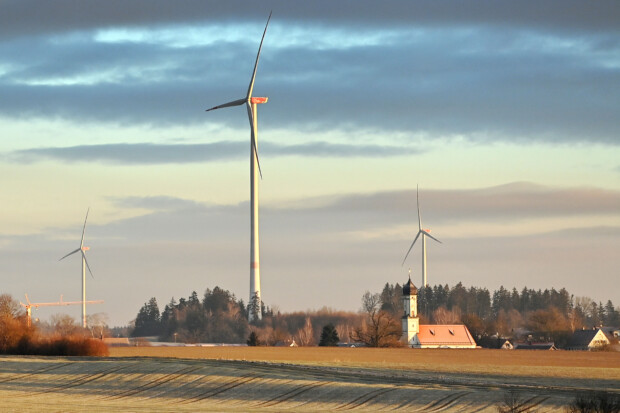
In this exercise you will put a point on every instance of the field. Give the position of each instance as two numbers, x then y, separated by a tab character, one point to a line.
303	379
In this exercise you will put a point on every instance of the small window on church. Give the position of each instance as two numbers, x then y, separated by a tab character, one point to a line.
451	331
432	331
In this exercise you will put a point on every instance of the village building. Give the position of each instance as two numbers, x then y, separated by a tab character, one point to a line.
430	335
588	340
535	346
506	345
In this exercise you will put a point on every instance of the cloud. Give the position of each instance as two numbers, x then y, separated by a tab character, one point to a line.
147	153
510	73
517	209
21	17
155	203
515	201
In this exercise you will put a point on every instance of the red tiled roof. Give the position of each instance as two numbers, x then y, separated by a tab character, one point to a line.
445	335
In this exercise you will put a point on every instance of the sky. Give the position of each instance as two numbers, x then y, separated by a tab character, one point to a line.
505	114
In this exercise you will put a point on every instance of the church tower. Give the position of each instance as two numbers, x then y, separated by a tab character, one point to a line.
410	320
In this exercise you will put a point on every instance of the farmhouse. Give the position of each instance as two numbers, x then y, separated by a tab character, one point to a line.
587	339
431	335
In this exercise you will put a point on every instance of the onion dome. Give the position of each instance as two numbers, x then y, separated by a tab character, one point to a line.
409	288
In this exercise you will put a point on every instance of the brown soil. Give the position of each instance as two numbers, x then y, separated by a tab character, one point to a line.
603	365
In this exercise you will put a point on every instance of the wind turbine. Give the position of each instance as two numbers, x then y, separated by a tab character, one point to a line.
425	233
85	265
250	103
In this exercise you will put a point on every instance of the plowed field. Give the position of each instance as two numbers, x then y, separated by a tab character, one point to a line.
302	379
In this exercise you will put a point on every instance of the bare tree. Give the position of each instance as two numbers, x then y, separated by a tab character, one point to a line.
513	402
9	306
444	316
305	335
64	324
98	324
380	329
344	331
595	402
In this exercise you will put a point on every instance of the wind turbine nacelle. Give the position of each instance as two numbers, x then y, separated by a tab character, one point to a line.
258	100
85	248
428	231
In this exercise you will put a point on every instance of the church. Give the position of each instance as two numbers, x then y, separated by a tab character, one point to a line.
431	335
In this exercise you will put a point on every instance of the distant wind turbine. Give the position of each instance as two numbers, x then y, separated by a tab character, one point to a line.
425	233
85	265
250	103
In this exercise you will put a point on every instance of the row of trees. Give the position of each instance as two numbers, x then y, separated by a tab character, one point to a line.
483	304
220	317
549	314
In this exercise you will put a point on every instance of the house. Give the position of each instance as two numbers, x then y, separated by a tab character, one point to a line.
507	345
588	340
444	336
611	332
535	346
430	335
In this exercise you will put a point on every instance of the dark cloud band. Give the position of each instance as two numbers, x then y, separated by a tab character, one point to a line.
146	153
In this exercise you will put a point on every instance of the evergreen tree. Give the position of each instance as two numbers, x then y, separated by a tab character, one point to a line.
391	298
148	320
217	301
243	310
193	300
329	336
254	308
612	316
253	340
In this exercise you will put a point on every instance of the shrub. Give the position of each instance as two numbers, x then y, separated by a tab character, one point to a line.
30	344
253	340
595	402
512	403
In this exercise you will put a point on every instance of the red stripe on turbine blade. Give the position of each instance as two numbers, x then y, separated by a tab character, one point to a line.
254	265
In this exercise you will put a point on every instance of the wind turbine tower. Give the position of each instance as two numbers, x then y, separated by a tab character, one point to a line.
425	233
85	265
255	171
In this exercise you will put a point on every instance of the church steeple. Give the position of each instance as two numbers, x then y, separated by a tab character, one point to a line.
410	321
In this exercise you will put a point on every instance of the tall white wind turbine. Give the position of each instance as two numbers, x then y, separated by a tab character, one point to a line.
250	103
85	265
425	233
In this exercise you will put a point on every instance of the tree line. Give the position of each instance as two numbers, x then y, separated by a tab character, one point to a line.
220	317
550	314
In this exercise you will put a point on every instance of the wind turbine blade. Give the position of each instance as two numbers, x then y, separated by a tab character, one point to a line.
84	229
71	253
27	299
253	138
414	240
87	266
251	87
429	235
225	105
418	200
